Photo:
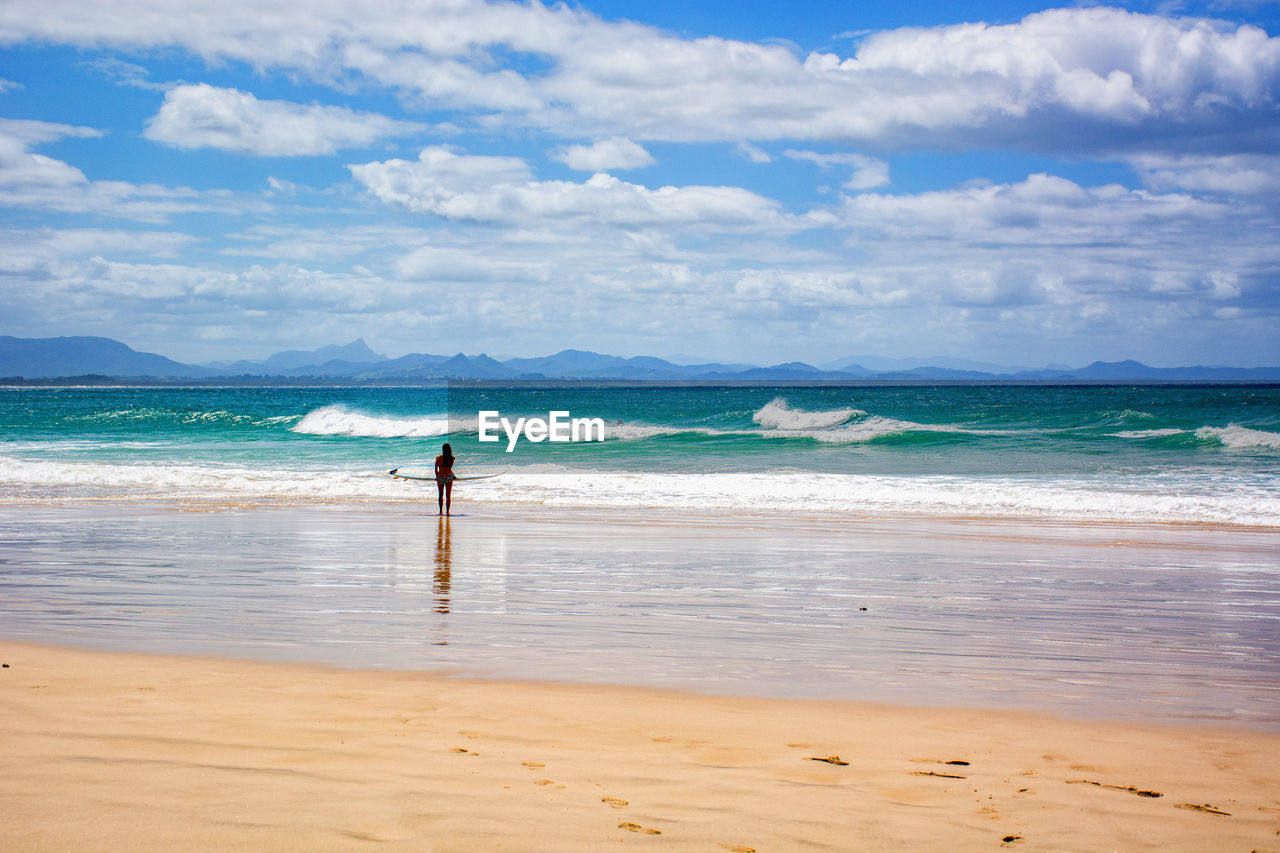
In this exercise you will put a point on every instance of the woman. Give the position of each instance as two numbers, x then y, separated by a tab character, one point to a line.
445	478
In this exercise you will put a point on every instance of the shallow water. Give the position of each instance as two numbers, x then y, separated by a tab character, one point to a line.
1163	622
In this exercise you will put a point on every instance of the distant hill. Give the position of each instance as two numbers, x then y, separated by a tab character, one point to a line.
45	358
103	358
283	363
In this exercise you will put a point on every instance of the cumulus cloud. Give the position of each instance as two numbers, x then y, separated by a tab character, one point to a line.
1049	242
1080	79
866	172
501	190
31	180
204	116
605	155
1237	174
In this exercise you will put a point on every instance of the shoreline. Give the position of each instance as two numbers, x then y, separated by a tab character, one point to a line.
632	513
106	750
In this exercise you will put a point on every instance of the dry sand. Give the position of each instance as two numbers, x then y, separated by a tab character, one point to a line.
105	751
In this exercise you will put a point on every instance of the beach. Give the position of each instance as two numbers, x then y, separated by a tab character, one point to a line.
107	751
310	677
749	619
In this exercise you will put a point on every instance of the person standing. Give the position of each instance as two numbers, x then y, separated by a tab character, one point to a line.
445	478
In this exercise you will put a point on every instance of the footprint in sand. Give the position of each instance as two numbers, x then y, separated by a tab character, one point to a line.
1127	788
1206	808
545	782
533	765
934	773
635	827
462	750
738	848
615	802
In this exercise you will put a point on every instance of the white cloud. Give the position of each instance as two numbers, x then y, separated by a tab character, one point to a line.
1115	80
752	153
500	190
1049	242
30	180
8	86
204	116
605	155
867	172
1237	174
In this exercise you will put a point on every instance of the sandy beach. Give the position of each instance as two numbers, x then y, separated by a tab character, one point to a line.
308	678
107	751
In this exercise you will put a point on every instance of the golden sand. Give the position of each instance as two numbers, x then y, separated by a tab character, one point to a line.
105	751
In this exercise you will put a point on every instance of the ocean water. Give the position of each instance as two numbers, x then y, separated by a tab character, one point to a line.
1184	454
1096	551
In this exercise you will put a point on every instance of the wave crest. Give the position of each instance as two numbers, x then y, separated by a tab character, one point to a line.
776	414
339	420
1240	437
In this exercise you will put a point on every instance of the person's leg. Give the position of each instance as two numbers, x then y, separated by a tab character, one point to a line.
448	497
440	497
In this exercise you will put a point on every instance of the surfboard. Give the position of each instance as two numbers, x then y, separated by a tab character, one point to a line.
395	472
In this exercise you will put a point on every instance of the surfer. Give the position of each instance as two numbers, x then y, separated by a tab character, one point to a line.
445	477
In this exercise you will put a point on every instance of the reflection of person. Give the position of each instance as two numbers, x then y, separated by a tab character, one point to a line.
444	566
445	478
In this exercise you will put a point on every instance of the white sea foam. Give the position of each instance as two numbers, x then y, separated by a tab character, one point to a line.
1147	433
24	481
815	492
876	427
1240	437
776	414
339	420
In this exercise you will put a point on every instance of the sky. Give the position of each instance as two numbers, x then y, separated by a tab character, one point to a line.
745	181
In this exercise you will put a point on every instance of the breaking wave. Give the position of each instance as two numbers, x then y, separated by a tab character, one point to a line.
339	420
1240	437
776	414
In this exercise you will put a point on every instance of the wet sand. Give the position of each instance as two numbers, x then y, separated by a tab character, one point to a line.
1159	623
109	751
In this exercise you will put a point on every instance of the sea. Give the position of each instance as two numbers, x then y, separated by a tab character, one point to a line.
1176	454
1106	551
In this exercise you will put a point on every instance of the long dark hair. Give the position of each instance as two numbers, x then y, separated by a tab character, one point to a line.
447	456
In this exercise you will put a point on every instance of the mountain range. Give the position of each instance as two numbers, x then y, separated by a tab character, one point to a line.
27	359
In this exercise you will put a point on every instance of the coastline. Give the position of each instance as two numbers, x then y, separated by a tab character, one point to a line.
109	751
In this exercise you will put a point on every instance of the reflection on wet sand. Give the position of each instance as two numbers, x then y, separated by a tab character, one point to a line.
1151	621
444	566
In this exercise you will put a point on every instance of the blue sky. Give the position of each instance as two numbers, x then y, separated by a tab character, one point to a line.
747	181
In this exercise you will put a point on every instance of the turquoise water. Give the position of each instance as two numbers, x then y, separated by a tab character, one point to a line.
1180	454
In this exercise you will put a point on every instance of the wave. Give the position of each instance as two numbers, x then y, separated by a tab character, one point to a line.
176	417
1232	435
26	481
776	414
1240	437
1241	503
339	420
1147	433
791	491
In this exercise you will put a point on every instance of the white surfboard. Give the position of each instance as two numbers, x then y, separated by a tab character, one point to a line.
395	472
